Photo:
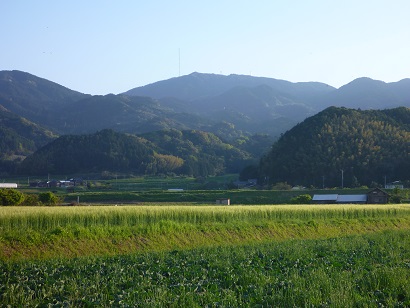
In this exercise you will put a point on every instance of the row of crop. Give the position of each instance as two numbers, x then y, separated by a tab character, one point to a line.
357	271
46	218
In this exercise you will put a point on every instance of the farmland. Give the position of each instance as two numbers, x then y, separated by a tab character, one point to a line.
198	255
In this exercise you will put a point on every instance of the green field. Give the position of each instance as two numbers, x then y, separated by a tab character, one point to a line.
217	256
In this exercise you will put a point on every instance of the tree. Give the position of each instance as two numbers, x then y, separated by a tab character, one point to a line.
11	197
48	198
302	199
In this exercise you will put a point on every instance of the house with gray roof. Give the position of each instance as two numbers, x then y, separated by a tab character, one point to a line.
374	196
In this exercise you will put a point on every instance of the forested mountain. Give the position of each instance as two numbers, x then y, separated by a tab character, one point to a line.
32	97
197	86
251	104
122	113
248	105
203	153
368	146
238	109
20	137
255	110
193	153
267	105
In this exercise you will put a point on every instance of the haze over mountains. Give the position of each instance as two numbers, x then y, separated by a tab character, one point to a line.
235	108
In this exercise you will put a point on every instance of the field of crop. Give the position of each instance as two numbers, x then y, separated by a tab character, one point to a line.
185	255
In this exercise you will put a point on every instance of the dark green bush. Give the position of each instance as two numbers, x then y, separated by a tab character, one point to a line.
302	199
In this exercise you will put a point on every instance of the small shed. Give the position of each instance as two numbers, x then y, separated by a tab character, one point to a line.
223	201
377	196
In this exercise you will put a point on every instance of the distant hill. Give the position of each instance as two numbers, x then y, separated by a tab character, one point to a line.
203	153
122	113
369	146
366	93
32	97
248	105
251	104
105	150
194	153
267	105
256	110
20	137
198	86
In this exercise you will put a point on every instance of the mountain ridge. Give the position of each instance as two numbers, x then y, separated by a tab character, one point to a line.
233	107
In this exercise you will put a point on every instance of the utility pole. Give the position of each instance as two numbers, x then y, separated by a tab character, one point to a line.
342	177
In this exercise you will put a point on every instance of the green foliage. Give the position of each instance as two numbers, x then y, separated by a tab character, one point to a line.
366	145
11	197
301	199
48	198
355	271
204	154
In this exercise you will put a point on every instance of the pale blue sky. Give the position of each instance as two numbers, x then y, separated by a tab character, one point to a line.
100	47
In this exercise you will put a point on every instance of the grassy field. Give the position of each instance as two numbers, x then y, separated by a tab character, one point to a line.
220	256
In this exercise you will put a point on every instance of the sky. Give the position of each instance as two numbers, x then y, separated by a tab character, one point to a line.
101	46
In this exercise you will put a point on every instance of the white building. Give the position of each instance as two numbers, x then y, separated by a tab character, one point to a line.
8	185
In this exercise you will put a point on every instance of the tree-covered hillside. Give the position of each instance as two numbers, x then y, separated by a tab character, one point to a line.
203	153
364	146
193	153
105	150
33	97
20	137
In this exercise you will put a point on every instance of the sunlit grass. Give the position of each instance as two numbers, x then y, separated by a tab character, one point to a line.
44	232
44	218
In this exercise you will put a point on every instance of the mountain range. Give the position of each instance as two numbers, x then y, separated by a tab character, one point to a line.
196	101
34	111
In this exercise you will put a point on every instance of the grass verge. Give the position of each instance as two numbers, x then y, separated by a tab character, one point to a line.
67	232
